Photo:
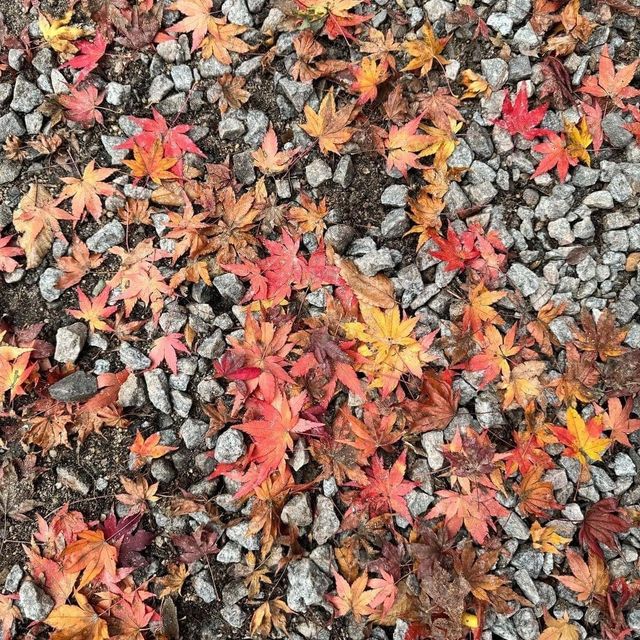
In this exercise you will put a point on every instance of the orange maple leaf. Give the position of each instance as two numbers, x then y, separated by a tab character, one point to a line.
368	75
147	449
94	311
587	580
80	622
151	164
403	145
197	22
86	191
268	159
496	351
425	50
479	310
221	39
353	598
328	125
90	554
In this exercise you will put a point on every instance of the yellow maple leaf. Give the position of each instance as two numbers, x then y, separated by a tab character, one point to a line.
425	50
582	439
368	75
425	212
561	629
388	345
475	85
578	139
73	622
546	539
328	125
442	142
59	35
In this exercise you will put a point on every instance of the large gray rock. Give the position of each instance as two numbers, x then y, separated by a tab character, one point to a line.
326	523
229	446
158	390
106	237
33	602
193	433
307	585
10	125
76	387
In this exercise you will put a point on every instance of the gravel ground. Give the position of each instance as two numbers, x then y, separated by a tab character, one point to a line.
569	248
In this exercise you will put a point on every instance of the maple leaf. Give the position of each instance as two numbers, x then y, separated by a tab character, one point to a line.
609	83
90	554
128	538
147	449
385	491
307	50
7	253
474	509
138	493
367	76
173	581
272	435
457	251
309	216
587	580
388	346
403	145
334	15
151	164
36	220
583	440
523	384
328	125
425	50
479	310
559	629
436	405
353	598
539	328
380	46
197	22
82	105
86	191
77	265
602	521
536	495
554	154
578	139
90	54
164	348
546	539
475	85
601	336
424	211
441	142
268	615
516	117
73	622
221	39
9	613
617	419
593	115
58	34
268	159
200	544
229	92
386	589
496	351
94	311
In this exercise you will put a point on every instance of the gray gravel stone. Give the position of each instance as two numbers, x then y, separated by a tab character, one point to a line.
133	358
10	125
325	523
131	392
395	224
229	446
613	128
74	479
243	168
160	87
237	12
317	172
26	96
496	71
432	443
110	235
76	387
110	143
193	433
296	92
297	511
117	94
33	602
230	128
345	172
307	585
212	68
158	390
598	200
182	77
523	279
230	287
240	533
9	171
339	236
395	195
375	261
70	341
233	615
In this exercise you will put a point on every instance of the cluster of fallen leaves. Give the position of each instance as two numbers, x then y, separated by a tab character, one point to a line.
356	383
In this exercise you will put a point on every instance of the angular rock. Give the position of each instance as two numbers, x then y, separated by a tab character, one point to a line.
76	387
326	523
33	602
229	446
307	585
158	390
70	341
110	235
26	96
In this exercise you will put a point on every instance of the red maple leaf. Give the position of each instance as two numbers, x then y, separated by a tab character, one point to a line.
89	56
555	154
455	250
609	83
272	436
474	509
385	490
516	117
7	263
283	266
602	521
164	348
82	105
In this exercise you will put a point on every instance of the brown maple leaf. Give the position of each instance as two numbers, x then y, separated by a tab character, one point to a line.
329	126
601	336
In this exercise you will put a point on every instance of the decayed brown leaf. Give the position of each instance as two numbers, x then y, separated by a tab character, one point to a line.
36	220
601	336
376	291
